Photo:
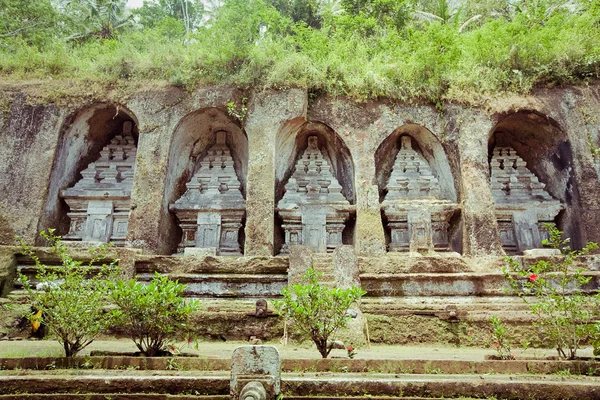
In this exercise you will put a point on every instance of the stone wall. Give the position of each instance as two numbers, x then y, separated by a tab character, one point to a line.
44	148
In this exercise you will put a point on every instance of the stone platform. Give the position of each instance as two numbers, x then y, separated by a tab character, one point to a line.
419	299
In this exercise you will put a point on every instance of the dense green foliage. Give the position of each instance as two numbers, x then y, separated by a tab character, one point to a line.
562	313
72	297
316	311
150	314
405	49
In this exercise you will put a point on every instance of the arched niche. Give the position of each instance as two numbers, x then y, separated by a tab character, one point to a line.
193	137
434	212
427	145
292	142
543	145
84	135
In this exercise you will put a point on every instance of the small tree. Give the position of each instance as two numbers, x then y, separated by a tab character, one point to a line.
152	313
562	313
71	297
318	311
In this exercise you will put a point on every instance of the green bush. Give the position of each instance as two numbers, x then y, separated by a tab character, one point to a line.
150	314
317	311
562	313
358	48
72	297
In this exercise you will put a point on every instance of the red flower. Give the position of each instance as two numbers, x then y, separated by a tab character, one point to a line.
532	277
350	349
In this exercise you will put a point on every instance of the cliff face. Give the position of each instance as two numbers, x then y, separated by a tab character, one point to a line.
45	147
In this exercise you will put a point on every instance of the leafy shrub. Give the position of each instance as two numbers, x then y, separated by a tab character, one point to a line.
363	49
71	297
562	313
151	313
317	311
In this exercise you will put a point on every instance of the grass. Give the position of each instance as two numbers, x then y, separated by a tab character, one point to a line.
431	62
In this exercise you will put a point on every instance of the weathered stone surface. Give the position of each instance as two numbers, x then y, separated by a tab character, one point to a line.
523	207
212	208
301	259
417	215
313	207
171	122
28	140
465	135
8	269
346	267
45	147
255	369
541	252
99	202
268	114
480	228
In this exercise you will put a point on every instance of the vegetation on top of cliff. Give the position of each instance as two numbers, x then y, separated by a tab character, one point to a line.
406	49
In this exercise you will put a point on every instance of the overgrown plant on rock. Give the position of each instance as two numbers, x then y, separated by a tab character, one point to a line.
562	313
151	314
72	297
500	339
317	311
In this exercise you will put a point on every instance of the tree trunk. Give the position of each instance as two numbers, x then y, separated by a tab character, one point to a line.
322	347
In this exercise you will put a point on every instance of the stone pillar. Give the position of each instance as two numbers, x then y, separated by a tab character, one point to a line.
300	262
579	121
345	263
480	228
255	373
370	236
29	136
148	214
347	274
267	114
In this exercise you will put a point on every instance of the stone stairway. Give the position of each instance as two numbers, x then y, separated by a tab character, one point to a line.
323	263
26	266
219	277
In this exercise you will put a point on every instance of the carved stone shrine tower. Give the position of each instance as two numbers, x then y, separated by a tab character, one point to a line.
99	203
522	204
212	208
418	217
313	208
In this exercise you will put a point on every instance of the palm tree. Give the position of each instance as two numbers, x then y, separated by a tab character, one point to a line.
103	18
445	12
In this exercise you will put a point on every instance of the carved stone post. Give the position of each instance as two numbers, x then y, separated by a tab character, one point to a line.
255	373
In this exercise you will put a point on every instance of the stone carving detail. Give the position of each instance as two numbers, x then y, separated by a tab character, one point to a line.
255	373
417	215
212	208
522	204
313	208
99	202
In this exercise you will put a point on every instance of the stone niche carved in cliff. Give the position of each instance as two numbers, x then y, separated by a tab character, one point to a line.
418	216
212	208
99	203
522	205
313	209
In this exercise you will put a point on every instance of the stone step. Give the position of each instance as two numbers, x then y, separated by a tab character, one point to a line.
306	385
226	285
129	365
454	284
152	396
112	396
212	265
